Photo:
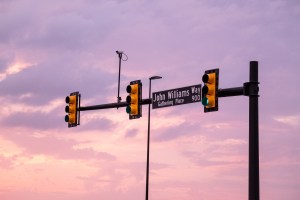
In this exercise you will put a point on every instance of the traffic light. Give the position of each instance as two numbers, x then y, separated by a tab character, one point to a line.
134	99
210	90
73	116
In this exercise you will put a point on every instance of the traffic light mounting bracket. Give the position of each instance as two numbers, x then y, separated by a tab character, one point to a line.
251	88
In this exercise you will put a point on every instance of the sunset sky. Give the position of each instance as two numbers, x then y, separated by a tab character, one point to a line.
50	48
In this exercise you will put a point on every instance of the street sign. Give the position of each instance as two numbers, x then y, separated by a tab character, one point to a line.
178	96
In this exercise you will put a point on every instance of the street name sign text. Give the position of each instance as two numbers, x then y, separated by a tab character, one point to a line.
178	96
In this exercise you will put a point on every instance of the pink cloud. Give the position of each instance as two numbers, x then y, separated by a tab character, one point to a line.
193	155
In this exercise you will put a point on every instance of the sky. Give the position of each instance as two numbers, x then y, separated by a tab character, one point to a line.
51	48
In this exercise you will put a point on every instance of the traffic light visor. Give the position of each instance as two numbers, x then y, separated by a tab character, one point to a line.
71	99
71	108
70	118
209	78
132	110
208	101
208	89
133	89
132	99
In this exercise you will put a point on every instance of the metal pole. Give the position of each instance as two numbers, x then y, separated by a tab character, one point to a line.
148	137
148	145
120	58
229	92
253	133
111	105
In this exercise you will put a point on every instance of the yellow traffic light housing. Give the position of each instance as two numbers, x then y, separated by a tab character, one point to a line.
134	99
210	90
73	116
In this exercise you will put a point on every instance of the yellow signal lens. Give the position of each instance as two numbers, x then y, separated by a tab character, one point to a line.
134	88
211	101
133	99
134	109
72	108
72	118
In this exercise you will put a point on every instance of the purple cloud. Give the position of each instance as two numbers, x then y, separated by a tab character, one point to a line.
71	47
52	146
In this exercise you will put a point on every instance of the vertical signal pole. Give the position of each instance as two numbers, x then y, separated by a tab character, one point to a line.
253	89
250	89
